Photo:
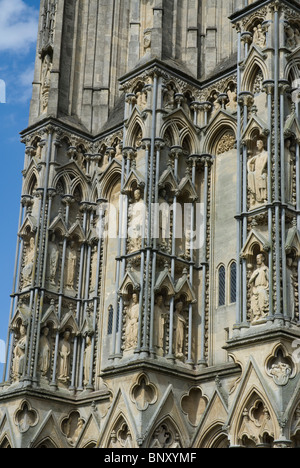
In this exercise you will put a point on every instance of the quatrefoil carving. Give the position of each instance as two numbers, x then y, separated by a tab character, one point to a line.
26	417
193	405
143	393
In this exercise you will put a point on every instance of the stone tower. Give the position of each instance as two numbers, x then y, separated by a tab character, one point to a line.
156	288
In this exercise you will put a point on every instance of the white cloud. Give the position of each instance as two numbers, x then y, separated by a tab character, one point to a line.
18	25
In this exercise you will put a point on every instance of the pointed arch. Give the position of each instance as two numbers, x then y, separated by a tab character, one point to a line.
166	434
257	66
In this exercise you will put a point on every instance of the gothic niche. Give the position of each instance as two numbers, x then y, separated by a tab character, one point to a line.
120	437
72	427
226	143
45	354
290	170
256	426
143	393
194	405
70	268
131	322
136	219
64	357
295	429
26	417
161	319
28	262
257	167
258	34
259	290
180	330
45	81
18	362
280	367
169	97
54	257
292	34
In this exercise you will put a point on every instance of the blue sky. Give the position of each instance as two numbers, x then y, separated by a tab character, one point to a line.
18	36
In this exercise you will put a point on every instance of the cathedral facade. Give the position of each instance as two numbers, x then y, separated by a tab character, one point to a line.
156	285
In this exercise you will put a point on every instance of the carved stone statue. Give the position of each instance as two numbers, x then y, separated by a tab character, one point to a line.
87	360
64	353
179	330
289	172
160	322
291	287
94	261
29	262
45	353
45	80
257	176
259	37
260	290
19	354
136	221
132	321
169	98
54	256
71	265
232	96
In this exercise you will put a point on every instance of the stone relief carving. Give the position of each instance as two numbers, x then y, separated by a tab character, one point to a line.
132	321
259	36
87	360
292	36
169	98
164	220
54	257
121	436
281	368
257	176
259	282
226	143
72	427
165	437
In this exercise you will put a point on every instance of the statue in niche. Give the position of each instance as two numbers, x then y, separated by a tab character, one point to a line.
260	290
45	353
141	100
290	286
164	219
54	257
292	36
259	37
160	321
71	265
94	263
215	102
179	330
147	40
45	80
257	176
289	173
232	96
132	322
29	262
169	98
18	365
64	353
137	214
87	360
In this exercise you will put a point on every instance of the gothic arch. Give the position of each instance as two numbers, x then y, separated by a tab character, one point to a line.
135	128
46	443
5	442
216	132
252	70
292	71
166	434
215	436
31	181
120	434
110	180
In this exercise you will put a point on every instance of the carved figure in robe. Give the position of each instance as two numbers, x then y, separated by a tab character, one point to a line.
19	354
164	218
136	221
160	320
87	360
71	265
259	37
45	353
169	98
257	175
64	358
132	322
179	330
260	290
45	79
54	256
29	262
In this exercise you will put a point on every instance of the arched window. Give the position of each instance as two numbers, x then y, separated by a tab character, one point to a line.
222	286
110	320
232	288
